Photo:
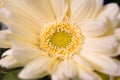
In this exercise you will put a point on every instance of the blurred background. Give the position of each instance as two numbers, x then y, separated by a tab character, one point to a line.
12	74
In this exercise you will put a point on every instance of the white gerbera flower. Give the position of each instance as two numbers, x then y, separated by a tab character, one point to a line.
67	39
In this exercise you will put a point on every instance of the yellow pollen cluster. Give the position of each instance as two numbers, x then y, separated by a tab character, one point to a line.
61	40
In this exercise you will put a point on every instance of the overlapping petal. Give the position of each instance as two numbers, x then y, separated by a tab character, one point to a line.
103	45
102	63
35	69
8	61
5	39
81	10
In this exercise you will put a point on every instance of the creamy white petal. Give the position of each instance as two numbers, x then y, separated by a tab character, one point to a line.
35	69
117	33
41	10
59	8
85	69
111	11
7	53
102	63
118	71
9	61
85	74
99	4
103	45
4	39
26	29
118	25
94	28
81	10
25	52
81	62
66	70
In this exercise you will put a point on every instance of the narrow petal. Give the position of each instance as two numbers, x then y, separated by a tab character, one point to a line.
35	69
98	7
41	10
111	11
103	45
59	8
117	33
81	10
102	63
66	70
4	39
88	75
99	4
9	61
94	28
25	52
81	62
7	53
25	29
118	71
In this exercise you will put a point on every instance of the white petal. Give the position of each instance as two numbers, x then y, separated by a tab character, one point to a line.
25	52
117	33
9	61
99	4
118	71
59	8
66	70
87	75
8	52
26	29
81	10
103	45
81	62
41	10
94	28
102	63
4	39
35	69
111	11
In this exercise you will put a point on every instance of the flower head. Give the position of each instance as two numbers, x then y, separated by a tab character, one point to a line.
67	39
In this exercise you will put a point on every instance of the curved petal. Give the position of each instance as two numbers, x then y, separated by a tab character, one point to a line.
103	45
26	28
66	70
94	28
98	7
81	62
7	53
59	8
4	39
9	61
118	71
99	4
88	75
35	69
81	10
111	11
25	52
40	10
117	33
102	63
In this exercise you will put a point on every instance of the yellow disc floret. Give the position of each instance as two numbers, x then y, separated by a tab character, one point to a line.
61	40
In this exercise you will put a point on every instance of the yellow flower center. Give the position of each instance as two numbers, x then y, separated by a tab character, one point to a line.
61	40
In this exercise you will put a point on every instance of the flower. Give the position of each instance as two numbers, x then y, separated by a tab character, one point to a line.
67	39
